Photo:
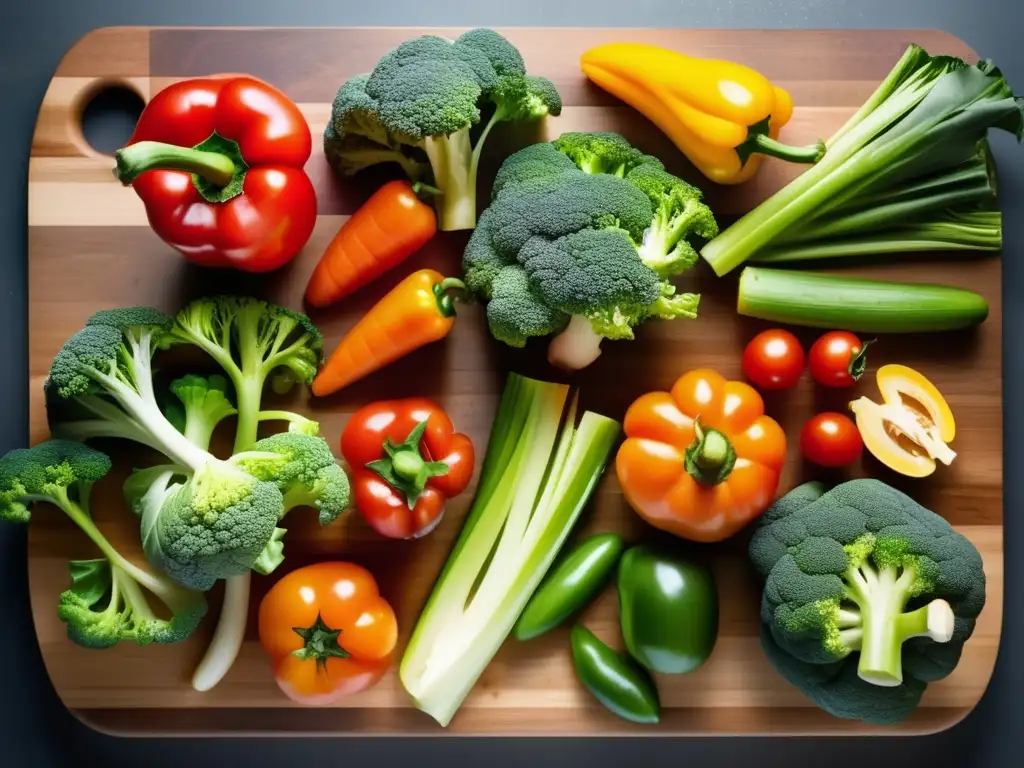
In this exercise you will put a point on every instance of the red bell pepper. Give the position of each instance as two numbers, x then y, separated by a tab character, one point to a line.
218	163
407	460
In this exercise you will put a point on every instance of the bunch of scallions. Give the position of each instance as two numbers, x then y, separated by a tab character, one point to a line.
910	171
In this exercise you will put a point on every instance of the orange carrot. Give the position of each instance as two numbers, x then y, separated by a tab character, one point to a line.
417	311
386	230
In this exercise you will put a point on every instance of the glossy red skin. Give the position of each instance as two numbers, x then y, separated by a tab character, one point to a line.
831	440
831	356
264	227
774	360
381	505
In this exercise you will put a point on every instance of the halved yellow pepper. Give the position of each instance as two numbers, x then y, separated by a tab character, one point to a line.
720	114
910	431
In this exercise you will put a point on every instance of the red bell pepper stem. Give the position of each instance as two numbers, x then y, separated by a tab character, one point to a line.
145	156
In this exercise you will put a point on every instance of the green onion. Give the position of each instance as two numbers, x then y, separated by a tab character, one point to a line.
914	152
538	474
948	231
862	306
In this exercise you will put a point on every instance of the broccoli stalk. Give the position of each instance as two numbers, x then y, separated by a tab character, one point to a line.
453	162
881	590
577	346
107	601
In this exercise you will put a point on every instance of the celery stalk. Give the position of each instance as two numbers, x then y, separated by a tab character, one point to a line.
539	472
927	118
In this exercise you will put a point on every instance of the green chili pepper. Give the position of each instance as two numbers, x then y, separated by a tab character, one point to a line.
668	608
614	679
571	585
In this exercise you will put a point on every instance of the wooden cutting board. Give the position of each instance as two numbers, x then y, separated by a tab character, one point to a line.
90	248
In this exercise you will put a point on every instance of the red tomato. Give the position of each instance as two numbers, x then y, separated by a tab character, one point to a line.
830	440
774	359
838	359
407	460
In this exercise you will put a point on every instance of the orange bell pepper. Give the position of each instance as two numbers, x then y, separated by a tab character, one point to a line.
703	460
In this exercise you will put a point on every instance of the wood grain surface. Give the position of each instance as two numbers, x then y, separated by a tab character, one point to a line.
90	248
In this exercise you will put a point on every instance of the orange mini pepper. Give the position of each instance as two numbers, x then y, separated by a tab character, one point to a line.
703	460
417	311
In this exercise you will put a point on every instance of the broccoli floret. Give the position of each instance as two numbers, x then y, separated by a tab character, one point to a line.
421	101
594	227
101	384
516	311
252	341
107	601
201	403
601	152
303	468
215	525
365	141
307	474
864	576
537	162
679	213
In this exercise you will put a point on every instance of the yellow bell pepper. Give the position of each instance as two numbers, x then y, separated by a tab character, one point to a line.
910	431
720	114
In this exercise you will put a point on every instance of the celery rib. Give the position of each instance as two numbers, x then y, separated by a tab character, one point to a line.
539	472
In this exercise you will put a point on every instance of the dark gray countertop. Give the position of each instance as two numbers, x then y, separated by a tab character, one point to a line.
36	730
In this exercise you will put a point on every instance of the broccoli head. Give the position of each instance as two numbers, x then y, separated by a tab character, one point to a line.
214	525
864	576
303	468
580	239
419	104
107	602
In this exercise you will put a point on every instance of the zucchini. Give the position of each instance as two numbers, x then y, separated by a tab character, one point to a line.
853	304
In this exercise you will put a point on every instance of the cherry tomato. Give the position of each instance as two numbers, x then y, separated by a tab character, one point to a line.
838	359
830	440
774	359
327	631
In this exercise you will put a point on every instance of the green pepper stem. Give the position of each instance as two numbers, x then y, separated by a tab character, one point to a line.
145	156
714	450
710	457
420	189
765	145
446	301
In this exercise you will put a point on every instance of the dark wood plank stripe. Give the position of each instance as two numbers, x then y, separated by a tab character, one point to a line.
310	64
593	721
